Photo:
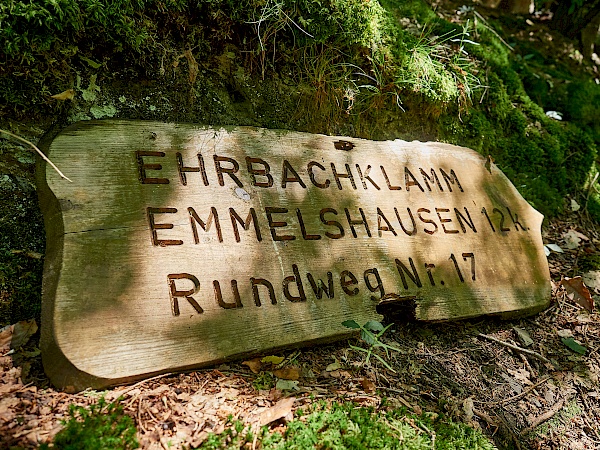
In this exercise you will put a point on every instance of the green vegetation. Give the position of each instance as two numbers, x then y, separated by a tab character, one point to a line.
343	426
103	427
376	69
370	334
21	248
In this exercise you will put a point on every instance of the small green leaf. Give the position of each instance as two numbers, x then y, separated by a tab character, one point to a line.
351	324
368	337
91	63
373	325
570	342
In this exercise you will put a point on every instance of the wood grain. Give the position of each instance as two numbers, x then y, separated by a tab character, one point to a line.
126	249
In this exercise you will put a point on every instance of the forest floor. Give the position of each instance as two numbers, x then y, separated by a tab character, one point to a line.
526	383
529	383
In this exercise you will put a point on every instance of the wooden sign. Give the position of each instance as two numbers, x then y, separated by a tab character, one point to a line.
178	246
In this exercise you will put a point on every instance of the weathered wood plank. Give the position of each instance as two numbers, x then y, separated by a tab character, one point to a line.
178	245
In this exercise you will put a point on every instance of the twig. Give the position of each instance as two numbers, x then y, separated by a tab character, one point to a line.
493	31
547	415
139	416
139	383
517	397
520	349
485	417
396	391
44	157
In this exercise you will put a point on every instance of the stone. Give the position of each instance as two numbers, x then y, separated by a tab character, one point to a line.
179	246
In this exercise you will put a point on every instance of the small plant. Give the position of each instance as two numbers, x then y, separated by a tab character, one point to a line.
264	381
104	426
370	333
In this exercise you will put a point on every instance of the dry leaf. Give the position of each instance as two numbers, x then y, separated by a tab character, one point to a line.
69	94
22	331
524	336
287	373
273	359
279	410
287	385
592	279
253	364
522	375
5	338
571	239
368	385
564	333
554	248
580	293
333	367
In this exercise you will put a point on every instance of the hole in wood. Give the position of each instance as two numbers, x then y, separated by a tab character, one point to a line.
344	145
397	308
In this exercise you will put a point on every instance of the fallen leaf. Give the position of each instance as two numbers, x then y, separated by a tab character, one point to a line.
333	366
22	332
5	337
573	345
575	206
554	248
287	385
522	375
278	411
69	94
572	239
368	385
253	364
273	359
287	373
581	294
524	336
565	333
592	279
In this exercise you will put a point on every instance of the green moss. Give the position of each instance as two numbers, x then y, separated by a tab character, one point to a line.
347	427
101	427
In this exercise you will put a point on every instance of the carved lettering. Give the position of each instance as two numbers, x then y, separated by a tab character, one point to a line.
143	166
150	212
176	294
